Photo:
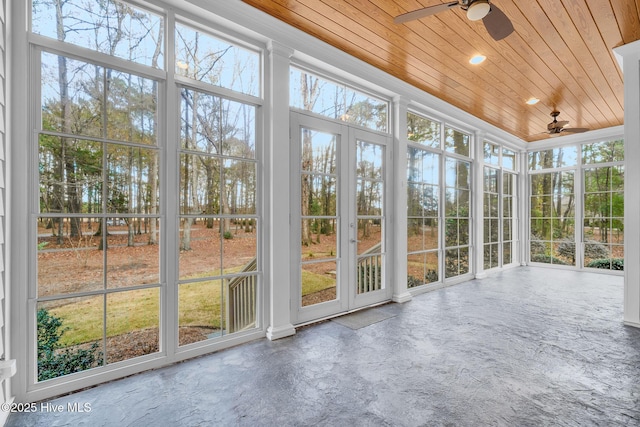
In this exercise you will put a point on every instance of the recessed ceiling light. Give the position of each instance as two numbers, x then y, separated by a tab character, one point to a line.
477	59
533	101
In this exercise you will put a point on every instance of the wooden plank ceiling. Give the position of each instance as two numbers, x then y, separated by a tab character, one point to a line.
560	53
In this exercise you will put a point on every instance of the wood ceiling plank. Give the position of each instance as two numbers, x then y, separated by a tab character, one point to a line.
561	52
569	76
626	13
563	20
461	102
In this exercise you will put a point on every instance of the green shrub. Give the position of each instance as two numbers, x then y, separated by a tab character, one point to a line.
227	235
608	264
53	361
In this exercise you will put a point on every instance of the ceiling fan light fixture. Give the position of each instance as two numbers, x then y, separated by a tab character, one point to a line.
533	101
477	59
478	10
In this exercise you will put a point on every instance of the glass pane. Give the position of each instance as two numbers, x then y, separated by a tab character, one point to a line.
451	232
70	258
422	269
200	247
597	205
540	251
369	159
215	125
463	232
202	57
369	197
507	207
322	238
318	282
458	173
318	152
554	158
491	153
617	230
541	207
364	110
131	108
131	260
507	229
77	85
369	274
430	233
491	180
70	175
431	269
617	178
109	27
597	180
456	141
336	101
415	199
414	235
239	245
239	192
369	236
423	131
506	253
594	250
70	333
541	229
200	311
423	166
508	184
415	269
508	159
133	324
456	262
242	293
602	152
321	192
200	190
131	173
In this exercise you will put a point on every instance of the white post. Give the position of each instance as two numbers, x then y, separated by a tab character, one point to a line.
277	202
477	215
400	292
629	56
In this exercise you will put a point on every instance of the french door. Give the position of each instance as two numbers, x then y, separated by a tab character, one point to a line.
339	217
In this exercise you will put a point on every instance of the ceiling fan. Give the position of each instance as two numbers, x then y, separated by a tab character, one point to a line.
495	21
556	127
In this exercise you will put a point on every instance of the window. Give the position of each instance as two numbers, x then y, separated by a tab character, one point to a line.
105	260
337	101
457	216
422	217
603	225
438	233
552	206
208	59
499	206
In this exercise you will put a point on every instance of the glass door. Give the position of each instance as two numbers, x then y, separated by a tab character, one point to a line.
339	180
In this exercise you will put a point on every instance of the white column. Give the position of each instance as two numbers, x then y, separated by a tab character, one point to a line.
277	198
522	208
399	219
477	215
629	56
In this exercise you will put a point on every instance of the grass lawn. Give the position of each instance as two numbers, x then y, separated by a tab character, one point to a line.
200	304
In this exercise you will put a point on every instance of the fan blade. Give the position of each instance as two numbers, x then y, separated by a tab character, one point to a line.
421	13
575	130
497	23
557	124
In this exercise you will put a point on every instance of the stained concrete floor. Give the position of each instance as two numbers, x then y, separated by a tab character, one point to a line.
526	347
